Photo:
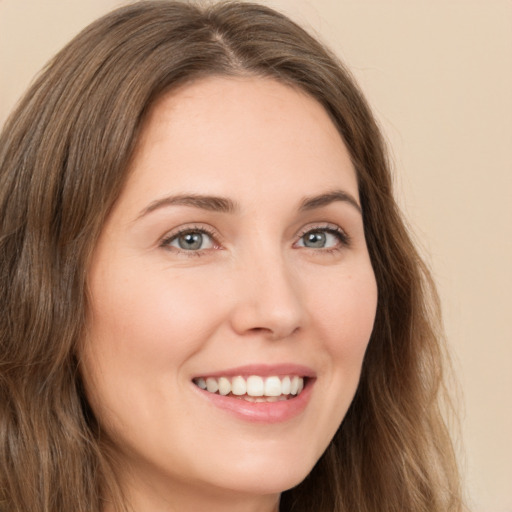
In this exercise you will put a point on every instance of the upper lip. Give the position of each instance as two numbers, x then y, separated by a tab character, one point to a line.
263	370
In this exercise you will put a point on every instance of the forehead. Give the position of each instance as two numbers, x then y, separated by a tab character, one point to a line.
234	135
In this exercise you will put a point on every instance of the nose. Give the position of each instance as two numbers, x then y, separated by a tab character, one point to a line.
268	298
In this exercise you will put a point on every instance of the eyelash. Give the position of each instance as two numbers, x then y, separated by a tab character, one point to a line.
343	238
166	241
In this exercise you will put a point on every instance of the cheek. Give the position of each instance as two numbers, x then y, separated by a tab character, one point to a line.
150	319
142	332
346	313
343	315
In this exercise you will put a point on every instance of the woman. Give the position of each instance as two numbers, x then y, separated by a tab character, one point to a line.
210	301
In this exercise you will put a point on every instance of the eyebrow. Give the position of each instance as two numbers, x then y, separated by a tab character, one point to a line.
210	203
225	205
313	202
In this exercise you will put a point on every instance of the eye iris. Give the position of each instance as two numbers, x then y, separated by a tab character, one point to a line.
190	241
315	239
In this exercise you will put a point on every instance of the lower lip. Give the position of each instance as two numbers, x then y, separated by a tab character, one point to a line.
261	412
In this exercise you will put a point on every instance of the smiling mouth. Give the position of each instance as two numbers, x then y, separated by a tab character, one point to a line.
254	388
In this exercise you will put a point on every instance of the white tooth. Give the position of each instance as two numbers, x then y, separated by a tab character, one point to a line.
286	385
238	386
255	386
282	398
272	386
224	386
294	385
212	385
301	385
272	398
248	398
201	383
260	400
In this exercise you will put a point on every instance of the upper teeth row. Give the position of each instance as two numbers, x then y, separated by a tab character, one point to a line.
253	385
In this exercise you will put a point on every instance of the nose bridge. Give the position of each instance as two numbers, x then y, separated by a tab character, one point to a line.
269	297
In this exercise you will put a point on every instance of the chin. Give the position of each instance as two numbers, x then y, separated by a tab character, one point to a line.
272	482
271	475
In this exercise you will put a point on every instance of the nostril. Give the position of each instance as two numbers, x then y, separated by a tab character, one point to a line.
274	334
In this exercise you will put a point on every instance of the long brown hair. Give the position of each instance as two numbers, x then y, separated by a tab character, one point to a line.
64	154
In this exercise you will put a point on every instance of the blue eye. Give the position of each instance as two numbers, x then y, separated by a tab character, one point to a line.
191	240
325	238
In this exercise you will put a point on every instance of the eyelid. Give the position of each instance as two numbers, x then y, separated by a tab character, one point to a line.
343	236
191	228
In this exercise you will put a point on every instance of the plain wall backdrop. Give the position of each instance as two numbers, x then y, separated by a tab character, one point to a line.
439	77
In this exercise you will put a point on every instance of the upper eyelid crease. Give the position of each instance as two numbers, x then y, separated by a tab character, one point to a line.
193	229
332	228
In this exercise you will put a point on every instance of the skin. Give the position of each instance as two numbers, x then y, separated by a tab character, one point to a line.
254	293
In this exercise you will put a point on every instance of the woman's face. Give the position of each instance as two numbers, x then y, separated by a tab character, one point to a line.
234	258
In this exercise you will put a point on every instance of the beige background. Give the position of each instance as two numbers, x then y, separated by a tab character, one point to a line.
439	76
